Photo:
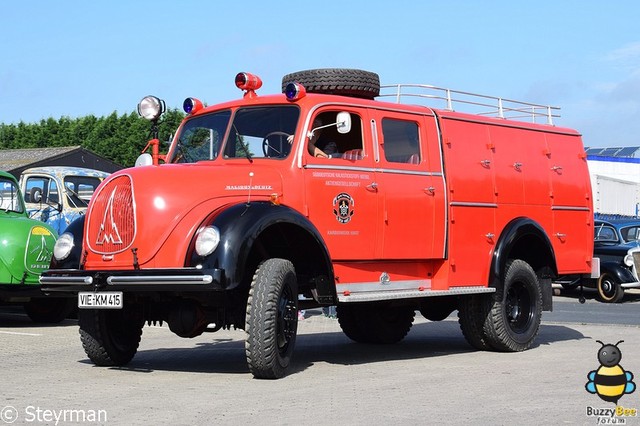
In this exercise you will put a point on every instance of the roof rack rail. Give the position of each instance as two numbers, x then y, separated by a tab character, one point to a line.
478	104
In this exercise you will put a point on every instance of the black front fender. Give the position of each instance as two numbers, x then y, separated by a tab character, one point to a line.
241	227
621	272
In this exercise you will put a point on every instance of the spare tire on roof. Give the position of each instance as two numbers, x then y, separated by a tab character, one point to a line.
337	81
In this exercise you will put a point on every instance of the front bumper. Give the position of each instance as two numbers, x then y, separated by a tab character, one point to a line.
176	280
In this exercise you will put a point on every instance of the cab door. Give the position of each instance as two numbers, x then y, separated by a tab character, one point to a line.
411	187
340	192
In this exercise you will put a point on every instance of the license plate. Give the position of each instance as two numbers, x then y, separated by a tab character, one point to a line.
102	300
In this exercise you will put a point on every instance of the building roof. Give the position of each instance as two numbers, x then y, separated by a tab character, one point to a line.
16	160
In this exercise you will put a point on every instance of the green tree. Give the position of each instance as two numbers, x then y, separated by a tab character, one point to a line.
118	138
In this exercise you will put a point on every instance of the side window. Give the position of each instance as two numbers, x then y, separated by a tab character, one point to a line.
401	142
35	189
605	233
631	234
53	192
327	142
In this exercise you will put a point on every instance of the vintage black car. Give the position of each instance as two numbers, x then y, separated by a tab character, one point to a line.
617	245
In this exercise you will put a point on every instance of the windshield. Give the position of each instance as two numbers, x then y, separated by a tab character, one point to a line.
200	138
80	189
258	132
9	197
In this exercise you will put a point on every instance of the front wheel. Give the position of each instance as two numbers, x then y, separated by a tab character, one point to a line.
110	337
609	288
514	317
272	319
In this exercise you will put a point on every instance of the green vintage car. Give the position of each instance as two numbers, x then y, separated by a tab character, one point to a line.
26	246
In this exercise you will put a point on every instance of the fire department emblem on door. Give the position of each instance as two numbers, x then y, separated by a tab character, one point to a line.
343	207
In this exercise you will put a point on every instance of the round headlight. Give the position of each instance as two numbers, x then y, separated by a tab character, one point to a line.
207	240
628	260
151	107
63	246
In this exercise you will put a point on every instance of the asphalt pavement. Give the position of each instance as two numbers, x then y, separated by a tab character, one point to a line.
432	377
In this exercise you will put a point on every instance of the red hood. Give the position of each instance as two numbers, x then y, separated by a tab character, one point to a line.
154	210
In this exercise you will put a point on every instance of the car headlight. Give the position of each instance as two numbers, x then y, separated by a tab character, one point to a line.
207	240
628	260
63	246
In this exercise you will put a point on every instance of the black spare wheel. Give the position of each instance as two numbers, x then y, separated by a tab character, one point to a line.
337	81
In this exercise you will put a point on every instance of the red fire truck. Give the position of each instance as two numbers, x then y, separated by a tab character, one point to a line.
334	192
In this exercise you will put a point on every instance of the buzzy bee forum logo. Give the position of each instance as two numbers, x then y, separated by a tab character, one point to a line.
610	382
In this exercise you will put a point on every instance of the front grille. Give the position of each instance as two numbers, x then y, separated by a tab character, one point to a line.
636	264
111	223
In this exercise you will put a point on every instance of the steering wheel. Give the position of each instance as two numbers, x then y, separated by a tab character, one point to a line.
266	146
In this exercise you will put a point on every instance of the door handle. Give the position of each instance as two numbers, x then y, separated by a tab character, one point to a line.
373	186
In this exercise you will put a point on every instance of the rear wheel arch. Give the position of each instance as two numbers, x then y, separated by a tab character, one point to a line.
525	239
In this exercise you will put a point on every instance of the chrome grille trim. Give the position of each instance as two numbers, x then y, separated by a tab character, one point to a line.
636	264
111	219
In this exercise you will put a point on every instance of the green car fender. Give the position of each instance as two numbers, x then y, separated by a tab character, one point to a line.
27	246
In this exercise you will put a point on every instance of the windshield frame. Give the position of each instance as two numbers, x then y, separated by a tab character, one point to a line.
252	123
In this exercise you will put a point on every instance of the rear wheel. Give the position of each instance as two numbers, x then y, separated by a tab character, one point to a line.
609	288
110	337
516	309
271	319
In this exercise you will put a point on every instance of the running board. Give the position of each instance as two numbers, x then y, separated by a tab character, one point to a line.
371	296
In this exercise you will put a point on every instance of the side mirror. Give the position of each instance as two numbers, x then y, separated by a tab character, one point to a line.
144	160
344	122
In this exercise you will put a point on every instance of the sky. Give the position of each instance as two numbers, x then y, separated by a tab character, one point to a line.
77	58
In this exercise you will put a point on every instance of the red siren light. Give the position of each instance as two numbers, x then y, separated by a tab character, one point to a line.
247	81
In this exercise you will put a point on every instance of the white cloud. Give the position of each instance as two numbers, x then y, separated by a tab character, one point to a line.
627	53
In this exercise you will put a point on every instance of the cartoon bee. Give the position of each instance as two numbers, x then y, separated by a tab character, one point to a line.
610	381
